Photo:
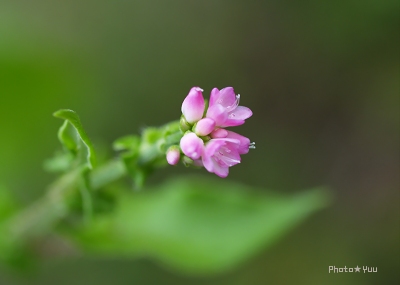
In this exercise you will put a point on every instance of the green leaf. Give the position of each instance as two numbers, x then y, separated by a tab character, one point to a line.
199	225
68	140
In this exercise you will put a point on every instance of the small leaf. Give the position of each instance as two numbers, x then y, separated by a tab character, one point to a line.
131	147
142	155
139	173
199	225
107	173
152	135
71	118
67	137
171	127
61	162
131	143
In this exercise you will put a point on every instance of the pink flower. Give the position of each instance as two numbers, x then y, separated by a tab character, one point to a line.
224	108
220	154
191	145
224	148
193	105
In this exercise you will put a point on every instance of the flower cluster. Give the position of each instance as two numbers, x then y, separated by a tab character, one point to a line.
205	141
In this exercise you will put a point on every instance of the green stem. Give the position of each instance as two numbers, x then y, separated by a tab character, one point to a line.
40	217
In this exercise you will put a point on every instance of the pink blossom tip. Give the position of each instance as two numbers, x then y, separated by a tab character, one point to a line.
193	105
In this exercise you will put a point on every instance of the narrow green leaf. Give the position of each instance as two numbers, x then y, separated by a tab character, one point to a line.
199	225
71	117
68	138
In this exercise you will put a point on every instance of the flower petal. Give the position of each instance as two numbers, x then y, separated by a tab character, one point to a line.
222	152
226	97
237	117
228	155
213	96
218	114
220	170
244	142
211	147
219	133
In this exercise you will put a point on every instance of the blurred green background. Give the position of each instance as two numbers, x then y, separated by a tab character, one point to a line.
322	79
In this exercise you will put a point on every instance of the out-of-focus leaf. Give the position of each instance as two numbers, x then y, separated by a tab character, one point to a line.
107	173
12	254
68	140
199	225
61	162
130	143
8	203
86	196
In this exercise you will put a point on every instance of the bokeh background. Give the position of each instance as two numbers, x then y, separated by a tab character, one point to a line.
322	78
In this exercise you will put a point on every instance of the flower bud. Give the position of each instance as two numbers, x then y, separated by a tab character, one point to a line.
191	145
204	127
193	105
173	155
219	133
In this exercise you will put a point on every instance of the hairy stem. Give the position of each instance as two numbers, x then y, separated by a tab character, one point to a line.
40	218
